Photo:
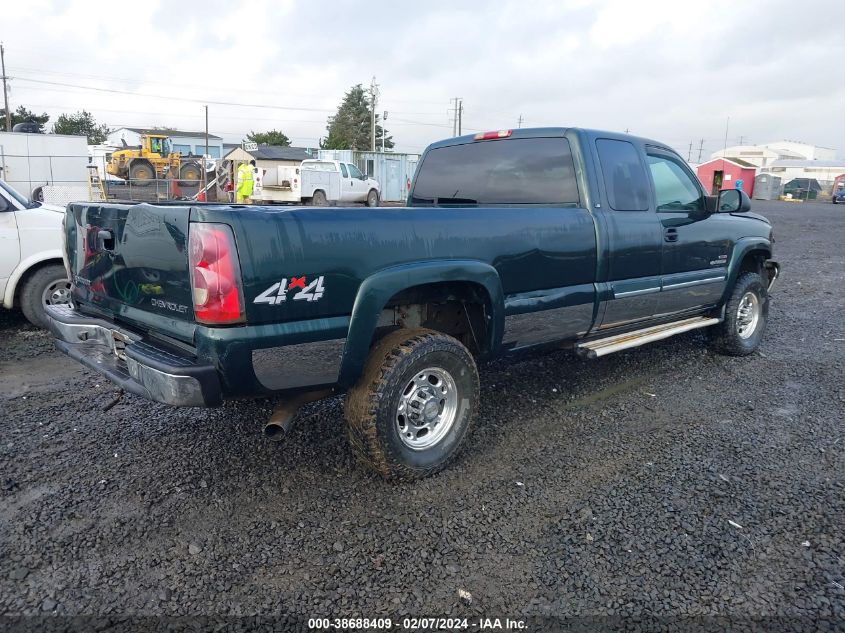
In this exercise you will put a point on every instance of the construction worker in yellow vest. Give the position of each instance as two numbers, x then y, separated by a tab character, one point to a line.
244	189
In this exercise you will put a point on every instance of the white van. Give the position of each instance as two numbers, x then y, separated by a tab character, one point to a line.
32	272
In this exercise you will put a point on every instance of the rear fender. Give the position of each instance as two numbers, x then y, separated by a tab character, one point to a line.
377	290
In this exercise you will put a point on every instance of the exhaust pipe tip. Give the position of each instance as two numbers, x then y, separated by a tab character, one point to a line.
280	423
276	432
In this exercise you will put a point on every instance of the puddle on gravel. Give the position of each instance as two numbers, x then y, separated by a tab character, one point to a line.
608	392
22	377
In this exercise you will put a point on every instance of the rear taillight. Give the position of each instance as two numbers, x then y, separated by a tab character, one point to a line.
215	274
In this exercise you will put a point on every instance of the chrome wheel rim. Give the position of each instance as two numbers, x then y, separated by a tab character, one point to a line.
427	409
747	315
57	293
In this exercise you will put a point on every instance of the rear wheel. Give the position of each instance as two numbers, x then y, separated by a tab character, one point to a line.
141	173
372	198
410	411
190	174
319	199
48	285
746	314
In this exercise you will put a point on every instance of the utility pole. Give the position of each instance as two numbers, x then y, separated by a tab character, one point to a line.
460	115
383	132
519	121
204	167
700	149
5	89
454	111
689	154
373	104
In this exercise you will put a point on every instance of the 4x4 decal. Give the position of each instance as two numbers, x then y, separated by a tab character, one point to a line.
278	292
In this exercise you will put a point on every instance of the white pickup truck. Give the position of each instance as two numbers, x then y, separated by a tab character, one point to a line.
32	272
319	182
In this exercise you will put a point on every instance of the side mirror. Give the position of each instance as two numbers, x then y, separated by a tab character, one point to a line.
733	201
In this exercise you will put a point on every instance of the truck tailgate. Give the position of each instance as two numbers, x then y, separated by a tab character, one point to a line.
129	262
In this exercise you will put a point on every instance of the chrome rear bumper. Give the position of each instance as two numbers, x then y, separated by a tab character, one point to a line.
132	363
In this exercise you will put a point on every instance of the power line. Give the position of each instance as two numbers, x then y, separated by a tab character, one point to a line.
173	98
74	88
184	85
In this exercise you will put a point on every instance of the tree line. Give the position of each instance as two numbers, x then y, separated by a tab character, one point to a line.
349	128
81	123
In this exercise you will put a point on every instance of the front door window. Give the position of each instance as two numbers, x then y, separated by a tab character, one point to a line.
673	186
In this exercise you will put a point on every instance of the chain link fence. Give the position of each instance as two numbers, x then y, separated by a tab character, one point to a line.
192	178
63	179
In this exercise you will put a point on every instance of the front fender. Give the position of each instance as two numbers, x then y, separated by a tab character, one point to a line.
31	262
376	290
742	247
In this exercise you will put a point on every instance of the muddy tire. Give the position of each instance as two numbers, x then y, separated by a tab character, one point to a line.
413	405
372	198
190	174
746	314
319	199
48	285
141	173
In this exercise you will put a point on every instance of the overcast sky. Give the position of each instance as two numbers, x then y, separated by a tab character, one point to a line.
668	69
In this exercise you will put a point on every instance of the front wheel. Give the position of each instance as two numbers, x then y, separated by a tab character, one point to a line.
746	314
413	405
46	286
372	198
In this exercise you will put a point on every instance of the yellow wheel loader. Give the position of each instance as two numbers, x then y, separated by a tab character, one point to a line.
151	160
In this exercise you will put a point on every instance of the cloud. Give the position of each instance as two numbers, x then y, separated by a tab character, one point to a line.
665	69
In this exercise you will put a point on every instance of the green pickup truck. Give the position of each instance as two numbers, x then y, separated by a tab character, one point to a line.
511	240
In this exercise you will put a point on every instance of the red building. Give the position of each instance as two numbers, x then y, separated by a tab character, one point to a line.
722	173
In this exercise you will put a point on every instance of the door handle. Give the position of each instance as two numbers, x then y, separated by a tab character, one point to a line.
670	235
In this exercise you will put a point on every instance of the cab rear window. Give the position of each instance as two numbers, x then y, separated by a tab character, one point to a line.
507	172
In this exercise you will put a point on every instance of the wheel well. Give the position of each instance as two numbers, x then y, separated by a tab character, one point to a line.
753	262
461	309
29	272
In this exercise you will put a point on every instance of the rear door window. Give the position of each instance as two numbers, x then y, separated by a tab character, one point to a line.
506	172
343	170
624	177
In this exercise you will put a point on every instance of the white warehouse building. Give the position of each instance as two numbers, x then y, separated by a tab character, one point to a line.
789	160
186	143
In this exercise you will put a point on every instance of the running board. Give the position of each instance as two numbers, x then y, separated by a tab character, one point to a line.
605	346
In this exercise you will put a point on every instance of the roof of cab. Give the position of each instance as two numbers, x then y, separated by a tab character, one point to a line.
540	132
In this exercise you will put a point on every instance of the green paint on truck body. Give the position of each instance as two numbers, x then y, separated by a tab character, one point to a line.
587	266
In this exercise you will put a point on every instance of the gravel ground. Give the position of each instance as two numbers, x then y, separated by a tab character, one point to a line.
661	483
